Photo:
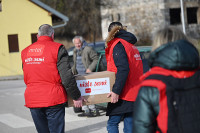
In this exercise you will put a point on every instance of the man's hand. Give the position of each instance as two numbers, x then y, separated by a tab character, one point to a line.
88	71
114	97
79	102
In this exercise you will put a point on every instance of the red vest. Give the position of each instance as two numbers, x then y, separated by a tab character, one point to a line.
41	76
129	93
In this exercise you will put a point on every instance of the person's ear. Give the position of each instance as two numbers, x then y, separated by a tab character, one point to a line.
52	36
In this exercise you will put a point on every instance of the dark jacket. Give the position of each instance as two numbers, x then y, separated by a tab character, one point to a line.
66	75
179	60
121	62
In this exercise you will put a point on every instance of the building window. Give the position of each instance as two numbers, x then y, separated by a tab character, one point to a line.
119	17
175	16
34	37
13	43
192	15
0	6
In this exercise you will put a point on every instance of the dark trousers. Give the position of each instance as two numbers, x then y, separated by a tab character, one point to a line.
50	119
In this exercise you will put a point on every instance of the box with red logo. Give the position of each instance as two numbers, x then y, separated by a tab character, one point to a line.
94	87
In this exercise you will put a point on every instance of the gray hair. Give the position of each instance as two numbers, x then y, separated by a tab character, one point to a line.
45	30
78	37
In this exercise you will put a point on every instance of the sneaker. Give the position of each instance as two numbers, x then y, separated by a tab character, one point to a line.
85	114
94	113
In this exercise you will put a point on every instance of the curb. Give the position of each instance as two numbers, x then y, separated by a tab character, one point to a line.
18	77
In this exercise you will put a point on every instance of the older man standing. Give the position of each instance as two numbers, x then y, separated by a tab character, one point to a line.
48	76
85	61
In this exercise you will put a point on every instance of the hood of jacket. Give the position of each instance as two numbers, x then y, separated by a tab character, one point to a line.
179	55
121	32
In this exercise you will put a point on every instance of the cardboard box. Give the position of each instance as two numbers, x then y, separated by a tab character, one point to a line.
94	87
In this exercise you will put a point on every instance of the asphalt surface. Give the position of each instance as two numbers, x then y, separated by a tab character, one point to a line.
15	118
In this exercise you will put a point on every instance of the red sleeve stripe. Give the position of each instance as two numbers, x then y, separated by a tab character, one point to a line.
162	118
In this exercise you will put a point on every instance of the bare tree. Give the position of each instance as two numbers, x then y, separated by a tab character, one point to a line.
84	17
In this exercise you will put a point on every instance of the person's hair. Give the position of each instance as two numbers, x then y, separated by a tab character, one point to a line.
114	24
45	30
166	35
78	37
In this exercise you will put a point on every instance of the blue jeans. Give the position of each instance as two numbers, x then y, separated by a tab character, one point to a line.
50	119
114	120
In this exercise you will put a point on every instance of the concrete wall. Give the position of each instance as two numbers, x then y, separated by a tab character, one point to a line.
144	17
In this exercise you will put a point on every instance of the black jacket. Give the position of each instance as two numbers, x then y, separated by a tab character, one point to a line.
121	62
179	56
66	75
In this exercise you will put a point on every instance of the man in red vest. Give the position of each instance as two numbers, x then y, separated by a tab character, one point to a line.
48	78
123	58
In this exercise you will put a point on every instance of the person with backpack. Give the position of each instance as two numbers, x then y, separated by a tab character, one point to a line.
169	95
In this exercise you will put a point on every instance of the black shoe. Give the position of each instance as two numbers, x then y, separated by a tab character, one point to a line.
77	109
87	114
94	113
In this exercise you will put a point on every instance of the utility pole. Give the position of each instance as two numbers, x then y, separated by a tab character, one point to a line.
182	16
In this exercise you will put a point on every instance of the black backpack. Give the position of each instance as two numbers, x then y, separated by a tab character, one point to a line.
183	100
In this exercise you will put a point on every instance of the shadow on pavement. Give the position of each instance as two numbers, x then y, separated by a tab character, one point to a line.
90	128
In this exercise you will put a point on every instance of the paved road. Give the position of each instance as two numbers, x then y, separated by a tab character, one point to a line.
15	118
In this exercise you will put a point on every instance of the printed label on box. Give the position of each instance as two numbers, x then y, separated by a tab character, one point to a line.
94	86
